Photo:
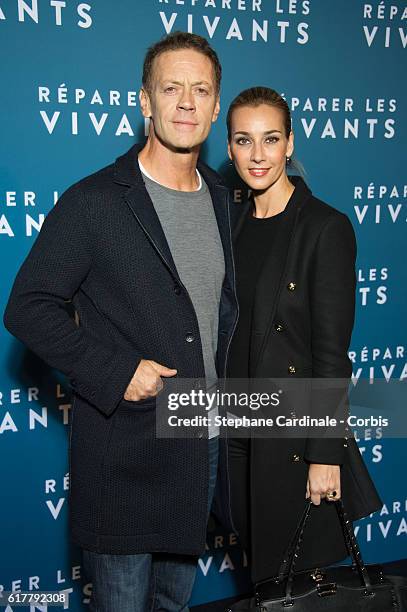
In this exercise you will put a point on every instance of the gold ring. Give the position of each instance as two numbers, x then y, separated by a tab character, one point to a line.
331	494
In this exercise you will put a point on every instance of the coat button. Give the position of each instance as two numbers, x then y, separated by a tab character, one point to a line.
295	458
177	289
291	369
278	327
291	286
189	338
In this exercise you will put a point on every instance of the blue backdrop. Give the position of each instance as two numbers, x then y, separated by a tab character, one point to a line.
70	73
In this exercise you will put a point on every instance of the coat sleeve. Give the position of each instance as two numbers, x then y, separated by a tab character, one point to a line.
36	312
332	317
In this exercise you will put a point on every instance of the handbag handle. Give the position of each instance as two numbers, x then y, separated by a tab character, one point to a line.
282	572
293	550
290	548
352	544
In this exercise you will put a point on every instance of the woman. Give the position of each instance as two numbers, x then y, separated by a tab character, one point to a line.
295	276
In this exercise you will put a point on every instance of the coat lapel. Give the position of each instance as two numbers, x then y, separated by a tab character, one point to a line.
140	203
127	172
270	281
241	212
220	199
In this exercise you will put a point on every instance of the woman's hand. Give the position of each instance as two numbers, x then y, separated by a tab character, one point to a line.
323	478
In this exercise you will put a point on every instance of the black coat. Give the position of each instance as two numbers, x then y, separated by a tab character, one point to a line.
102	246
302	324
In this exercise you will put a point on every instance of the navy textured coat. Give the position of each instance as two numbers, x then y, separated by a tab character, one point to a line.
102	246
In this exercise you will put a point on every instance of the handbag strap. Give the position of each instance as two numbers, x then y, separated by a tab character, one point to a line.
282	572
352	541
293	550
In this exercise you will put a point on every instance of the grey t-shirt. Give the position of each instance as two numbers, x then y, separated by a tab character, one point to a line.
190	227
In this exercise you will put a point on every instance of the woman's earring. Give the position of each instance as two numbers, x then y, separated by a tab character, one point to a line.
288	160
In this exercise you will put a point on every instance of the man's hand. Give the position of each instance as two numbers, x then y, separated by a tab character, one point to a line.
323	478
146	381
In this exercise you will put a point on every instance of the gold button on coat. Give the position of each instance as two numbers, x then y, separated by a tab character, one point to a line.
291	286
291	369
279	327
295	457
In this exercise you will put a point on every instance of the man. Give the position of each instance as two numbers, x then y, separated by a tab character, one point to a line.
142	248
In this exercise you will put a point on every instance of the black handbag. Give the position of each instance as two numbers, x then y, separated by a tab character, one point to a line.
343	588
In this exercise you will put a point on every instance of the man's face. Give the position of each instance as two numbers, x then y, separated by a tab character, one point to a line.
183	101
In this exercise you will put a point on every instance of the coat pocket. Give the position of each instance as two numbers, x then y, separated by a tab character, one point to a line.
136	415
131	479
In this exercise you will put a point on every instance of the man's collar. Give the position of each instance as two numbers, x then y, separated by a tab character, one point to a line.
127	171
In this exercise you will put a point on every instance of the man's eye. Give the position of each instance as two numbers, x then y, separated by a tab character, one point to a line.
169	89
202	91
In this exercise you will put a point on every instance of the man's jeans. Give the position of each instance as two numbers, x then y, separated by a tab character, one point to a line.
144	582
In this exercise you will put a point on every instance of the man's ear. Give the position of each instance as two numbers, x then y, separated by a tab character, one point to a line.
216	110
145	104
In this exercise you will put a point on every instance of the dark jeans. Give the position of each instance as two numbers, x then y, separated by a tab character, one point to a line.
144	582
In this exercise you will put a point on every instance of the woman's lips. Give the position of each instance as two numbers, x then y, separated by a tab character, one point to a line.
259	172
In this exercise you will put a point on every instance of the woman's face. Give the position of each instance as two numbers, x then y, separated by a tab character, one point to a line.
259	145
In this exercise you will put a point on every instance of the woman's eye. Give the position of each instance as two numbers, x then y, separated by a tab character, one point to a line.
242	141
272	139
